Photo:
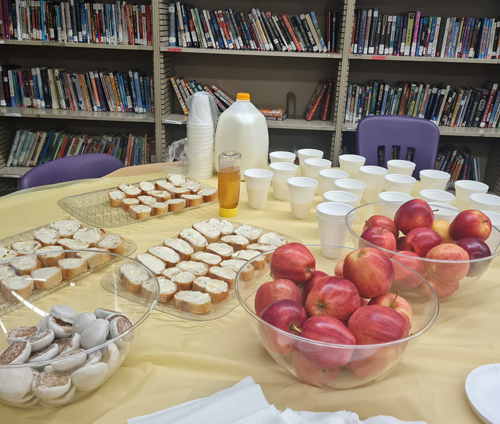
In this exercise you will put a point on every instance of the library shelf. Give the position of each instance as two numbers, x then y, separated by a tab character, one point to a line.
424	59
14	171
75	45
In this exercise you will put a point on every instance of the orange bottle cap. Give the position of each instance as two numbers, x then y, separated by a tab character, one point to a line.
243	96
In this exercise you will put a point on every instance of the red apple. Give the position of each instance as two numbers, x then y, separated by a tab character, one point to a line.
375	324
286	315
365	366
421	240
306	288
404	279
339	269
476	249
442	290
333	296
380	237
471	223
413	214
326	330
370	271
293	261
443	271
275	290
311	373
399	243
381	221
399	304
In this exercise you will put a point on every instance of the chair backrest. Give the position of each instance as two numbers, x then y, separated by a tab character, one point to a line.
90	165
403	132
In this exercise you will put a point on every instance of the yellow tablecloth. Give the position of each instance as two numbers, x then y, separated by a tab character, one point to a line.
180	360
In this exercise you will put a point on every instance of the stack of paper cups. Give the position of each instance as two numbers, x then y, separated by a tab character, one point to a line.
200	137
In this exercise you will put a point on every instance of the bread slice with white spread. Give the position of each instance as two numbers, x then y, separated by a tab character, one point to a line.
210	259
197	268
126	203
175	205
222	249
26	247
182	247
90	235
168	255
7	253
139	211
176	179
17	286
274	239
193	186
95	257
263	248
237	242
66	227
194	238
70	244
193	302
72	267
259	260
167	289
47	236
112	242
50	259
45	278
208	231
152	262
217	290
184	280
249	232
25	265
225	227
159	208
146	187
116	198
224	274
208	194
192	200
238	265
160	195
163	185
132	277
146	200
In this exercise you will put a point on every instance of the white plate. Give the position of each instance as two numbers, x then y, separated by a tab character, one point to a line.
482	387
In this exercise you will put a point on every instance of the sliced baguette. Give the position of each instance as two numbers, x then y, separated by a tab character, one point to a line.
184	280
132	277
194	238
176	179
197	268
217	290
123	187
47	236
126	203
66	227
224	274
210	259
25	265
152	262
222	249
178	192
139	211
208	194
182	247
258	263
208	231
237	242
163	185
45	278
26	247
6	271
175	205
132	192
263	248
70	244
116	198
146	200
168	255
7	253
193	186
199	283
238	265
274	239
90	235
225	227
112	242
17	286
50	259
146	187
170	273
95	256
72	267
160	195
192	200
249	232
192	302
159	208
167	289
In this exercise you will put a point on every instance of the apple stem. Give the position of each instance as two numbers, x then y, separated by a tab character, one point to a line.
394	300
295	328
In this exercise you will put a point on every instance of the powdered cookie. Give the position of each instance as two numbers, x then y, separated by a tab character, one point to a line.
16	353
40	340
43	323
118	326
20	333
64	313
95	333
81	322
69	345
104	313
69	361
112	358
15	383
61	400
90	377
51	385
61	329
50	352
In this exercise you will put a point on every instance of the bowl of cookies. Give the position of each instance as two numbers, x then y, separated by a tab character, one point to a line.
61	347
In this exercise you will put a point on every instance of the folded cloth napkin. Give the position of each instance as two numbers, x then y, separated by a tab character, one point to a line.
245	403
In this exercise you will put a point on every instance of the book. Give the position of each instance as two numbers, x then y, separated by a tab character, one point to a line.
315	100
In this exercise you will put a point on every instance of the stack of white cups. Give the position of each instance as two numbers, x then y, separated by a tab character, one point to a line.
200	137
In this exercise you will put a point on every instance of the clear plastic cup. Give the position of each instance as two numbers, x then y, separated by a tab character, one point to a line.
341	197
443	211
398	166
301	192
440	196
430	178
282	156
400	183
306	154
331	227
485	202
463	190
327	178
257	182
373	177
351	164
352	186
393	200
312	166
282	171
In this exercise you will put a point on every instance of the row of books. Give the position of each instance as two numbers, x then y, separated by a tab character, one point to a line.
320	101
273	114
32	148
412	34
256	30
76	21
443	105
460	164
184	89
52	88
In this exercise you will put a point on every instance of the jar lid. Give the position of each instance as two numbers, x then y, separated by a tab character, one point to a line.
228	213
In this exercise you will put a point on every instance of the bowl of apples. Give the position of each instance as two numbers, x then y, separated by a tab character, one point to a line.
341	326
450	249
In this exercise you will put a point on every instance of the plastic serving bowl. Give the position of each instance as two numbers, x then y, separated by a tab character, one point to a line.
362	363
444	290
84	295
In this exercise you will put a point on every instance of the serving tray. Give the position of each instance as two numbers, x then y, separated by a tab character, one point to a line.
93	208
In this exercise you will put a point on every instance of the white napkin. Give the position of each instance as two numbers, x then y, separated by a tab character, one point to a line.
245	403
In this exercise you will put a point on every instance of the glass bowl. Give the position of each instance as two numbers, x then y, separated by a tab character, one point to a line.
361	364
80	370
448	287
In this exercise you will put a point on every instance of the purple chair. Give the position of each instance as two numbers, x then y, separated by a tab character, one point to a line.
402	131
90	165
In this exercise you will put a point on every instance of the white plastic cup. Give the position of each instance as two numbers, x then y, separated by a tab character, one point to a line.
351	164
443	211
282	156
400	183
440	196
485	202
306	154
301	192
392	201
327	178
282	171
312	166
494	239
398	166
463	190
373	177
257	182
331	227
341	197
430	178
352	186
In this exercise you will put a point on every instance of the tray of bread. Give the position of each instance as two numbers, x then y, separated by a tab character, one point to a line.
54	265
196	268
127	203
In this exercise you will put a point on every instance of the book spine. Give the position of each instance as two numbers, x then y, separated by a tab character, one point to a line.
316	102
415	34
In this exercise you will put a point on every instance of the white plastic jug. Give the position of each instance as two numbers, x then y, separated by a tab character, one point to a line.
243	128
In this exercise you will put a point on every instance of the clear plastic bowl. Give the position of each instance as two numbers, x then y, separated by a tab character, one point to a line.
84	295
365	363
477	267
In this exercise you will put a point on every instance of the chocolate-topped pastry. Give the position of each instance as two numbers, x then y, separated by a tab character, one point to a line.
20	333
51	385
16	353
